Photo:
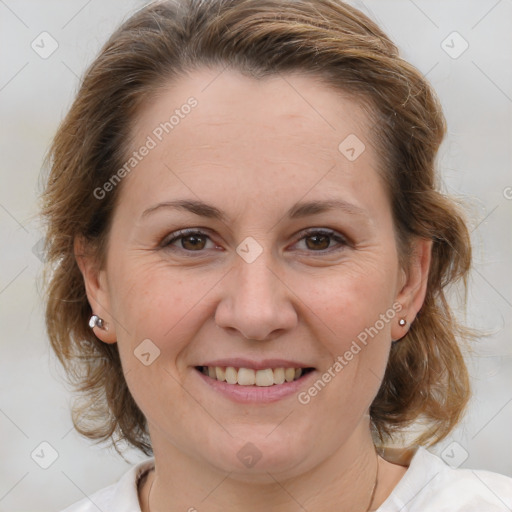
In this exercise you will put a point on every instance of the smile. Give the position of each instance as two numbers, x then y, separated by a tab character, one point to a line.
250	377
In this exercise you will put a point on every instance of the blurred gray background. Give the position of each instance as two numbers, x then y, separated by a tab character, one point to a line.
464	48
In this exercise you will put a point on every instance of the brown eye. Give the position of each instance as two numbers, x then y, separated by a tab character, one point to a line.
319	242
187	240
193	242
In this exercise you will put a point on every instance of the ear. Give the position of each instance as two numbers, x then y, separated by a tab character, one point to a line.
96	288
412	286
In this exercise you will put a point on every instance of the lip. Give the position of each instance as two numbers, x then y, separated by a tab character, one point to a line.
240	362
256	394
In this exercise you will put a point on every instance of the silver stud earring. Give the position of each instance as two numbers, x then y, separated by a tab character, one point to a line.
96	321
402	322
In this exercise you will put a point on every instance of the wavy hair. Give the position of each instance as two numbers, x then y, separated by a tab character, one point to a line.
426	377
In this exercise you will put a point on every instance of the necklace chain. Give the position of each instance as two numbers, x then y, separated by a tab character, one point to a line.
372	495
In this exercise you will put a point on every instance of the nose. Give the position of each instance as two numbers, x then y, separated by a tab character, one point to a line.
256	302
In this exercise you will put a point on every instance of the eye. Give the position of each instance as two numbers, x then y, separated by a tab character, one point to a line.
321	240
190	240
315	240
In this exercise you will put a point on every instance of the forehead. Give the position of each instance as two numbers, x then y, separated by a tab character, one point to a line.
226	98
290	130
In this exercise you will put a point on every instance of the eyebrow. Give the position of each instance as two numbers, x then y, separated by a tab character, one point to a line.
297	211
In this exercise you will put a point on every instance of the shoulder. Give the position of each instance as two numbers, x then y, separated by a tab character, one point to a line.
431	485
121	496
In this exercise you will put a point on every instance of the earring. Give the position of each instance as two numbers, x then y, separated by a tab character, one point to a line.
402	322
96	321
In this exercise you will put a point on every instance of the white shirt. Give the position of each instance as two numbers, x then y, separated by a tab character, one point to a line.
428	485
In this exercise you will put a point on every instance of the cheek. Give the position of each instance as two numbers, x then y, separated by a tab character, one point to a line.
157	302
355	316
352	300
156	310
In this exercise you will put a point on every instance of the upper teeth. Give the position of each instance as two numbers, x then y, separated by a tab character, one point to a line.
250	377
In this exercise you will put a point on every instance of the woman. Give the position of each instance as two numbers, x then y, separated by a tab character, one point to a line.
249	263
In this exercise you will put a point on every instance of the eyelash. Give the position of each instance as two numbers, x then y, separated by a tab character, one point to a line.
183	233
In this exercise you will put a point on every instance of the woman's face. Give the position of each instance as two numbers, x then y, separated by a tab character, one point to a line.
272	277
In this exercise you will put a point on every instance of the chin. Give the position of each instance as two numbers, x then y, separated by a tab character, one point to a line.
252	457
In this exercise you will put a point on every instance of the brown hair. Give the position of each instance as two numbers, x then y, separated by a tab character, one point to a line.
426	377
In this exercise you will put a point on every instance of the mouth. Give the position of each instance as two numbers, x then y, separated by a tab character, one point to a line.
266	377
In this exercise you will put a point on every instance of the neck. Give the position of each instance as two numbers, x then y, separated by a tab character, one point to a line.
344	481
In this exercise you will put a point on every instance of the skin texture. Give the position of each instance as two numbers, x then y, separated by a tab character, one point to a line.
253	149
